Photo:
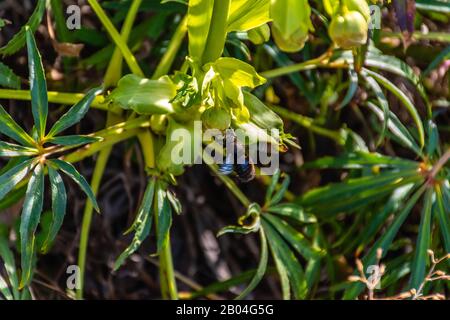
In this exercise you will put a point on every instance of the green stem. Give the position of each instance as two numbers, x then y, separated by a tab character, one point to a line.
57	97
114	34
217	31
308	123
100	165
166	270
231	186
166	62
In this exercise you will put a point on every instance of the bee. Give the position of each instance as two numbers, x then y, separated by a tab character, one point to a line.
245	170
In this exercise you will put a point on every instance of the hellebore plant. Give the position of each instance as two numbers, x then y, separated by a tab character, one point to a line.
224	92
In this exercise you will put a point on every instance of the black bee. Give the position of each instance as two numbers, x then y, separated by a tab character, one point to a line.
245	171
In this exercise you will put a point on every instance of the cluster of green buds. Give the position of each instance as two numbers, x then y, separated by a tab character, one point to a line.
350	22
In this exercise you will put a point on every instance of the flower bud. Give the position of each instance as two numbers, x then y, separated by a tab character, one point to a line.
349	29
259	35
359	5
293	43
216	118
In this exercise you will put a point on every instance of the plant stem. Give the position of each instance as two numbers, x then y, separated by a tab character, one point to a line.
217	31
100	165
231	186
169	56
120	43
57	97
166	270
439	164
308	123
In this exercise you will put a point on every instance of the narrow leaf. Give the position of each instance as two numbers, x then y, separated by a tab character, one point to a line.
260	271
11	129
75	114
12	177
293	211
38	86
164	214
31	214
8	78
59	202
74	140
13	150
70	170
141	225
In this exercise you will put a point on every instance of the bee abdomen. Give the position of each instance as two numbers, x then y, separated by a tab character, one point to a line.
225	168
245	171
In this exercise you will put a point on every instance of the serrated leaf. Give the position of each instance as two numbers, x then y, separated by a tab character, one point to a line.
13	150
75	113
176	204
142	224
11	129
8	78
70	171
59	202
423	244
261	269
29	220
294	237
73	140
236	230
38	85
12	177
18	41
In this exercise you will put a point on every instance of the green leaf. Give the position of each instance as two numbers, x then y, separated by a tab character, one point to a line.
294	237
355	193
281	251
361	160
399	131
143	95
18	41
293	211
443	216
248	14
433	138
260	271
199	21
443	55
385	241
14	150
4	289
382	102
164	214
174	202
70	171
10	267
423	244
75	114
353	86
237	230
433	5
8	78
142	224
38	86
403	98
31	213
12	177
11	129
59	202
262	115
74	140
239	73
279	194
273	184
